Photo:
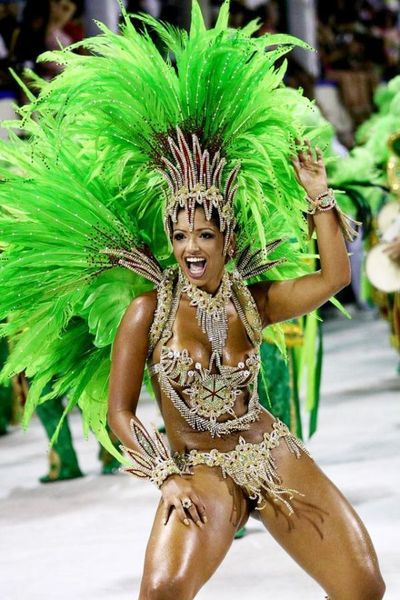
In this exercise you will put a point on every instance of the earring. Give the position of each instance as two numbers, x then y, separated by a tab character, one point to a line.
231	252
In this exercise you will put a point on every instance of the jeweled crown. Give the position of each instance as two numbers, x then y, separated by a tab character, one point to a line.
195	179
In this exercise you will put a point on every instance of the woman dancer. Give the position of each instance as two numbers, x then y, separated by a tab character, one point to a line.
123	143
231	457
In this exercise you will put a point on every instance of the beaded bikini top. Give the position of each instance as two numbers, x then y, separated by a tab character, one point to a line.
206	394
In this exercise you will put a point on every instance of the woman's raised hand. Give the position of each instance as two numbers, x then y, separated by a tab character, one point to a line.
310	169
178	494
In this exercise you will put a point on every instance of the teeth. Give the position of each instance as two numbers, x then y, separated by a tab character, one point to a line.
195	259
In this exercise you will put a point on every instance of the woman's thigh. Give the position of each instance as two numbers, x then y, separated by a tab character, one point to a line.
180	559
324	534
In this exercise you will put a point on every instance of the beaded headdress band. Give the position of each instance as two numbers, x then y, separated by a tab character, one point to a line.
195	180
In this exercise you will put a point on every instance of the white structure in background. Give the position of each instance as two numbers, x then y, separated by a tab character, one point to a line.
107	11
253	4
7	112
302	22
7	98
153	7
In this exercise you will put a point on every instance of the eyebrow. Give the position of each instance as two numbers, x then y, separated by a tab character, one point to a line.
209	228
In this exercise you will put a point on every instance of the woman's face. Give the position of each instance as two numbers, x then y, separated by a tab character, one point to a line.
199	253
61	12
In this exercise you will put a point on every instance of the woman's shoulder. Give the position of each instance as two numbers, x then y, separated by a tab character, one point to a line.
140	312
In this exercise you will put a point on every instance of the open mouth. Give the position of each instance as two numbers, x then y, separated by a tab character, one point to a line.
196	266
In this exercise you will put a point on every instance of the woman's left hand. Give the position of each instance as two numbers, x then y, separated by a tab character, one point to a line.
310	170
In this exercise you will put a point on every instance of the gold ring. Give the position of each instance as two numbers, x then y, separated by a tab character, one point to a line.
187	503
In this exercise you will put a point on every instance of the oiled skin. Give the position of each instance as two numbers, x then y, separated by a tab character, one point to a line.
324	535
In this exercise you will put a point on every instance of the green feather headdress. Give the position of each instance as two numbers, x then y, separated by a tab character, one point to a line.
89	177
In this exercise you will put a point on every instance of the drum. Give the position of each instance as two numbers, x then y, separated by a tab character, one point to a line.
387	216
382	271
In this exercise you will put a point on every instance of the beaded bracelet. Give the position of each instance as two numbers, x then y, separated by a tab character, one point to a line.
326	201
153	461
322	203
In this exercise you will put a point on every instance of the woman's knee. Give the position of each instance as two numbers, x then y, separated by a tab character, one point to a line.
373	587
368	585
167	587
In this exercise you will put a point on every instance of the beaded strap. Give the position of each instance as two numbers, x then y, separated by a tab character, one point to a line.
153	461
326	201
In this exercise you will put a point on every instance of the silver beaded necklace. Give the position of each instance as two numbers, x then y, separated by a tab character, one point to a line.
211	312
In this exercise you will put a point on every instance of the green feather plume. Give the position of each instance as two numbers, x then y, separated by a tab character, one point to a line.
87	176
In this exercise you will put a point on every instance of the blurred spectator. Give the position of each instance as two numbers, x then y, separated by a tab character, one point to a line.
269	13
270	17
153	7
8	22
44	26
359	44
8	88
386	30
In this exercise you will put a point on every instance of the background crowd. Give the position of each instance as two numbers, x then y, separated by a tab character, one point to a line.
358	45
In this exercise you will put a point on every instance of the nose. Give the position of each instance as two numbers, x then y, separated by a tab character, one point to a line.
192	245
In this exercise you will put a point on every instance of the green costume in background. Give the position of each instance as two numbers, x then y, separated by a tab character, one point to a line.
63	460
375	144
6	394
282	377
276	397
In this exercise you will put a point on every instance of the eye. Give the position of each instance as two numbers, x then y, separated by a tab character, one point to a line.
207	235
178	236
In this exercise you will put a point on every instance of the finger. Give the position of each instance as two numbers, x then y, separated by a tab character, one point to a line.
182	516
195	516
320	156
297	168
295	162
166	513
298	145
301	156
310	154
202	510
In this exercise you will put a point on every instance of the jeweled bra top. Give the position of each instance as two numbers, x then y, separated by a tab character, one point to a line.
207	394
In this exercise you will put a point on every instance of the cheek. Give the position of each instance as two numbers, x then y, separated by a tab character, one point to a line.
215	250
219	246
177	248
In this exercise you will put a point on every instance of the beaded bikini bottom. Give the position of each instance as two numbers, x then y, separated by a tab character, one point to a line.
251	466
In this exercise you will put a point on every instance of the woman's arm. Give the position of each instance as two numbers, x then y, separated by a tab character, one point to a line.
284	300
128	362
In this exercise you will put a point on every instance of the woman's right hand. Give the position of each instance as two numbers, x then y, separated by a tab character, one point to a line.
175	490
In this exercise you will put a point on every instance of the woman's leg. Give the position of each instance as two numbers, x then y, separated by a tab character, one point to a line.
180	559
324	534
